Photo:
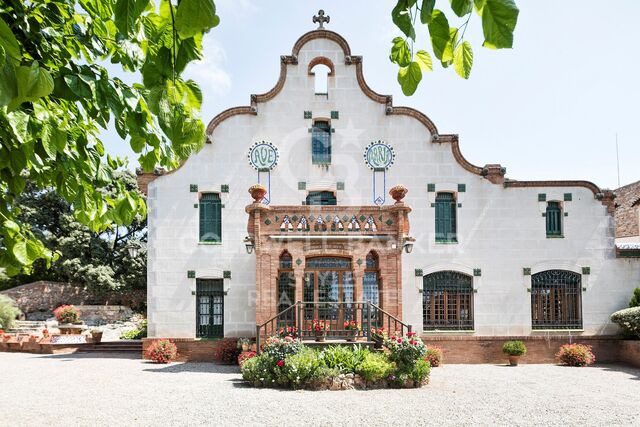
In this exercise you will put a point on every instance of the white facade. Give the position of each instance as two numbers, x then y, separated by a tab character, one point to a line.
501	229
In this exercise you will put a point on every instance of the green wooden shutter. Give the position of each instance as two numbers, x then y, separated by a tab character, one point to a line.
445	218
554	219
210	218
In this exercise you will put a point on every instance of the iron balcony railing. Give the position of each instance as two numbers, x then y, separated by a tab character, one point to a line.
299	318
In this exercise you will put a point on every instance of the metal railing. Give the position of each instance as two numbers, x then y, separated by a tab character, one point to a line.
297	320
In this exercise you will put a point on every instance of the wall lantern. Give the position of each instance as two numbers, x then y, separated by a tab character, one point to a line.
134	247
408	244
249	244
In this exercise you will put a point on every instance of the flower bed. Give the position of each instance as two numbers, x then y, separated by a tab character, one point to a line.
288	363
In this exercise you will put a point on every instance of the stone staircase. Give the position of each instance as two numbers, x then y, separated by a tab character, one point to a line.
26	327
123	346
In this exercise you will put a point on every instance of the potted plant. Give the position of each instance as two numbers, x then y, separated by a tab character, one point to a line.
319	329
353	328
68	318
162	351
244	344
45	333
96	335
378	336
514	349
289	331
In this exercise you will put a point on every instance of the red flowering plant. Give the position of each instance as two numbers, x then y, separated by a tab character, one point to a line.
45	333
246	355
1	331
67	314
351	325
319	326
279	348
289	331
407	349
576	355
434	356
378	334
162	351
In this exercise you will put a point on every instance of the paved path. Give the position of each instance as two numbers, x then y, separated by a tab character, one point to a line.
88	390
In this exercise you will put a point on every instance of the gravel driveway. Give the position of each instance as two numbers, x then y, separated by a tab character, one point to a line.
89	390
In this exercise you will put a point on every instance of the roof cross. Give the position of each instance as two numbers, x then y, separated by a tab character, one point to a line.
321	19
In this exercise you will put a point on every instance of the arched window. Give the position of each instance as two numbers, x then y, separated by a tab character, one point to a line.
321	82
556	300
446	218
447	301
554	219
286	288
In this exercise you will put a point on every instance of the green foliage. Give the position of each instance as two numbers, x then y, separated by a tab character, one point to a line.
406	350
8	312
498	17
575	355
375	367
635	299
420	371
514	348
98	260
259	370
304	368
137	333
279	348
55	97
629	320
344	359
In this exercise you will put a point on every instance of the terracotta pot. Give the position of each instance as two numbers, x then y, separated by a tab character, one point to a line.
513	360
320	336
96	337
398	192
351	335
257	192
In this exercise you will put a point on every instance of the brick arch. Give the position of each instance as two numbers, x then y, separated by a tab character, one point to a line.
324	61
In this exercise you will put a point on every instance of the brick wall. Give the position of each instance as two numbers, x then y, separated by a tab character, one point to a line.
191	350
540	349
626	213
630	352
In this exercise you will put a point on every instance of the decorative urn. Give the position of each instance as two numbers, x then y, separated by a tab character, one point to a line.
398	192
258	192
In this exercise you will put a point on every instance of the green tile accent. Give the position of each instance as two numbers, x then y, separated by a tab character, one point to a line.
389	221
335	114
462	188
298	261
345	218
222	206
302	185
544	214
568	197
294	218
307	114
333	130
359	261
526	271
542	197
433	205
277	219
340	185
195	205
586	270
431	188
193	188
191	274
566	214
224	188
362	217
477	272
418	272
459	205
226	274
267	221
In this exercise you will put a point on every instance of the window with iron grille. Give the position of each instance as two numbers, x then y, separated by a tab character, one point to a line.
209	308
286	289
321	143
210	218
556	300
446	218
447	301
554	219
324	198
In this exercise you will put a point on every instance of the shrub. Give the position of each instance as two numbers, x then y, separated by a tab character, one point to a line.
279	348
375	367
411	375
434	356
227	351
246	355
67	314
576	355
259	370
344	359
635	299
304	368
162	351
8	312
514	348
629	320
137	333
406	350
420	371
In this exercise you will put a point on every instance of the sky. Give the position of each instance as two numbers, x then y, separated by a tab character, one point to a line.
549	108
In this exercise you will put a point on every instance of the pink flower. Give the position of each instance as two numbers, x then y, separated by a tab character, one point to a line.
280	363
399	340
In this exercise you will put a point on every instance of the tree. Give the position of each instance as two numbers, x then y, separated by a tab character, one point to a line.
499	18
55	95
97	260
